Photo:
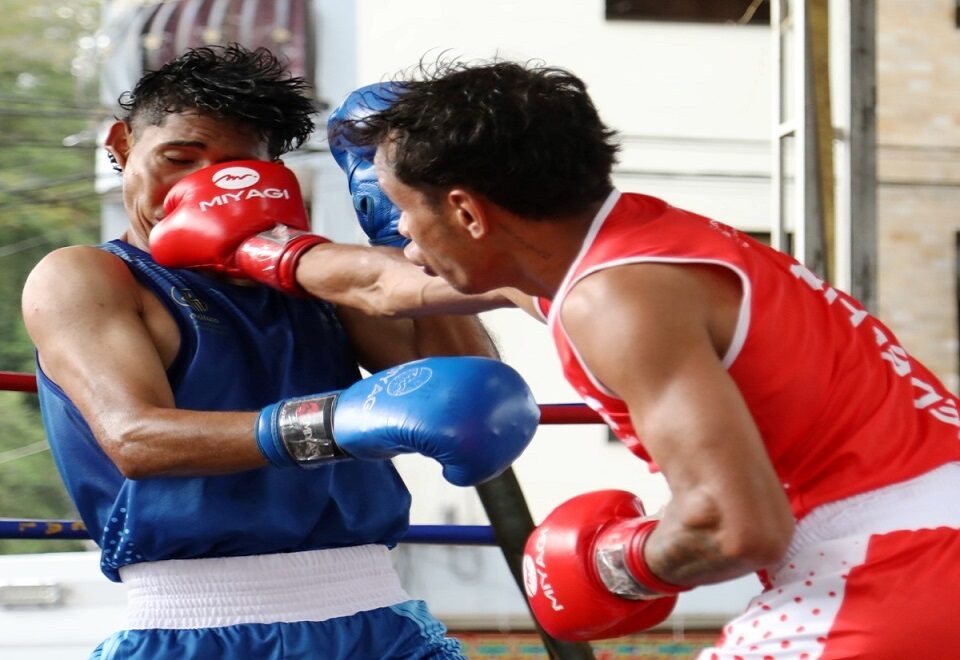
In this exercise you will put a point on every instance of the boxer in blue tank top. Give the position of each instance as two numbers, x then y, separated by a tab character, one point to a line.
241	348
149	381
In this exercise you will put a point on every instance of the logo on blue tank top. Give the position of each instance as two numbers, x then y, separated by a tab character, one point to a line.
187	298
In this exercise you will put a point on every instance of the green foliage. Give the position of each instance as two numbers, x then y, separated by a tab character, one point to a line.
47	200
45	187
29	484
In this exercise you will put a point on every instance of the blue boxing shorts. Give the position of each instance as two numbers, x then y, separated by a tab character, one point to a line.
342	603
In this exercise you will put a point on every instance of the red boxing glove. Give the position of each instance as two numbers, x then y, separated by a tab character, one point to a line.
585	553
242	218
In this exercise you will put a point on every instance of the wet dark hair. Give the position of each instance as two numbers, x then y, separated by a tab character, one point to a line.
526	136
230	82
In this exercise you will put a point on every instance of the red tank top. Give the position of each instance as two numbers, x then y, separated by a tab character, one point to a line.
840	405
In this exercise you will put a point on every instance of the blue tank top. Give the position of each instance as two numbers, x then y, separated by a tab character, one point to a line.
241	348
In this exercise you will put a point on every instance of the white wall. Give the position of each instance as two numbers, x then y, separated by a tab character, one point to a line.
650	78
706	84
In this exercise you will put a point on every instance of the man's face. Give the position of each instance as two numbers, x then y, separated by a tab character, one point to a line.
154	158
439	242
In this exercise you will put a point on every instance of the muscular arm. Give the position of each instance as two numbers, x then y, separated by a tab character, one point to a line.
85	313
380	281
394	312
664	331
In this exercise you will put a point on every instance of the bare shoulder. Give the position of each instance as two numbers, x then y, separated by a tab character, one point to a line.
639	318
626	290
658	295
76	280
74	269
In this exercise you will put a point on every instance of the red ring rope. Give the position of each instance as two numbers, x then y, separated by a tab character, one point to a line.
550	413
15	382
555	413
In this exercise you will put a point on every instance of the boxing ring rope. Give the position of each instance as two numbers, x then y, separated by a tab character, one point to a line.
15	382
550	413
12	528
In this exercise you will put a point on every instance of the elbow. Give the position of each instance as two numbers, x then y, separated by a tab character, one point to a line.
757	547
126	458
765	531
385	307
381	296
125	448
377	302
744	539
134	470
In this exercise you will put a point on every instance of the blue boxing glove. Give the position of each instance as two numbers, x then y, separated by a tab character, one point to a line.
377	214
473	415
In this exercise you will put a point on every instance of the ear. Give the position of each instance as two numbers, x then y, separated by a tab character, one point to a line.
471	211
118	142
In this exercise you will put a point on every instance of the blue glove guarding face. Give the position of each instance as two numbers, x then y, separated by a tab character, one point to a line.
377	214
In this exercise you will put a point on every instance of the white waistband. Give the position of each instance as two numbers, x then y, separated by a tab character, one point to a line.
925	502
222	591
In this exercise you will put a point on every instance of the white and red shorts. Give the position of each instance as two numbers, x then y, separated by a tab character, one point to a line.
874	576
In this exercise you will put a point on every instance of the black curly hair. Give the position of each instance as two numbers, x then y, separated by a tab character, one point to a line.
525	135
230	82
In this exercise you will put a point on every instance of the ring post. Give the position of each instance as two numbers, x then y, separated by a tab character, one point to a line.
512	524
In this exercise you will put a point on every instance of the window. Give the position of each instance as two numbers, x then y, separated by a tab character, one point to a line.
692	11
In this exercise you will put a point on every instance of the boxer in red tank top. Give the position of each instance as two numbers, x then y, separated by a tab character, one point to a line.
799	439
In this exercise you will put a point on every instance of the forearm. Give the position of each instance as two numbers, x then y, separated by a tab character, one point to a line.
692	557
379	281
174	442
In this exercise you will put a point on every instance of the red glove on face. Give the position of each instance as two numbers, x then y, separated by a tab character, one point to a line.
599	532
242	218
